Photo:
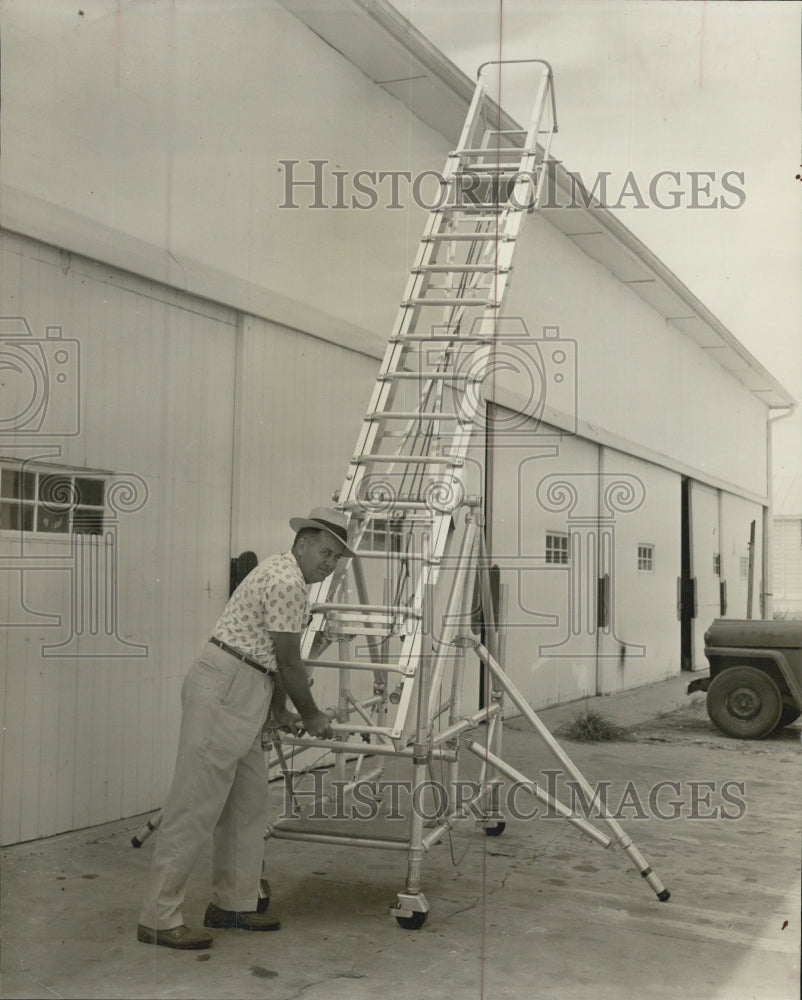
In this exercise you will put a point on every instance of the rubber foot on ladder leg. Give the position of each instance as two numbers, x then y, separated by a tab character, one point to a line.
664	895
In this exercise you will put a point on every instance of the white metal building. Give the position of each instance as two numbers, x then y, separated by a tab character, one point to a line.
787	510
191	356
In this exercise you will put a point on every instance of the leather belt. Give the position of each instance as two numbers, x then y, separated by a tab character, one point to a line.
240	656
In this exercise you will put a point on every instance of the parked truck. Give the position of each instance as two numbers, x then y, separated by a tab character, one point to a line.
755	681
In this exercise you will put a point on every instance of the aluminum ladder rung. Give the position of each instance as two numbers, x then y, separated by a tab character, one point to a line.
456	301
362	509
400	556
369	629
497	237
460	269
391	668
439	338
428	376
493	169
519	151
452	460
388	609
491	209
415	415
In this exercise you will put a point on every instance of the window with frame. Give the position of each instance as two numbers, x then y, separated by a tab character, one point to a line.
556	548
744	567
645	557
716	564
374	538
51	501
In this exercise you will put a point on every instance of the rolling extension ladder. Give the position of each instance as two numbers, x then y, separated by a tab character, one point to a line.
401	613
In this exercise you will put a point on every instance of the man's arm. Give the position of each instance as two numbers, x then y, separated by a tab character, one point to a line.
296	683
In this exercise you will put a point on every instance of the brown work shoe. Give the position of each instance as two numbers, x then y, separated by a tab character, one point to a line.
175	937
245	921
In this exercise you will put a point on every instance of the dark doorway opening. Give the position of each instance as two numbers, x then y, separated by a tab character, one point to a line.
686	597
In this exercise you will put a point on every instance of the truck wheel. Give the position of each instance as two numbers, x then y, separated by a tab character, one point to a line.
744	702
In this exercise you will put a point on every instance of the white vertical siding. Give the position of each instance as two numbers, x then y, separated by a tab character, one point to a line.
87	737
300	405
300	402
642	644
736	516
788	565
550	648
639	378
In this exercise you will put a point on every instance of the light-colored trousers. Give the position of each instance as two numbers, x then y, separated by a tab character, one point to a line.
219	789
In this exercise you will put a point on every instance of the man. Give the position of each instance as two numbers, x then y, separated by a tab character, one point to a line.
219	787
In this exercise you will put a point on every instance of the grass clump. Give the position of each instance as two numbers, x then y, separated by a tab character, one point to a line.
589	726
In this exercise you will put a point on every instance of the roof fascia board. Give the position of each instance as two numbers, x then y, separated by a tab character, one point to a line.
439	66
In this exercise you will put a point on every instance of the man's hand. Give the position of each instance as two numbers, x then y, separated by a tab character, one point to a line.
282	718
318	724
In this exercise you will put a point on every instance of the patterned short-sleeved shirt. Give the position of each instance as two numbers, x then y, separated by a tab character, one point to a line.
273	597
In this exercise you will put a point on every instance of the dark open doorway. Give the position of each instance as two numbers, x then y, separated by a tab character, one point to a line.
686	596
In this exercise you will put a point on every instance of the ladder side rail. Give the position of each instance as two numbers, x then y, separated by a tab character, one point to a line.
452	613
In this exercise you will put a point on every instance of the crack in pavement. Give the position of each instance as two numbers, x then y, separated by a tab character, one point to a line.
351	974
28	972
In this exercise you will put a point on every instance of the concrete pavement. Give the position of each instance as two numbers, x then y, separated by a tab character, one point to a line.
538	911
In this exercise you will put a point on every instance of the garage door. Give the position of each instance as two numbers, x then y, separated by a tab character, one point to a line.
542	509
639	537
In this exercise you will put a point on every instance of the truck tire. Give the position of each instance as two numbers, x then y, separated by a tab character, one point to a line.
744	702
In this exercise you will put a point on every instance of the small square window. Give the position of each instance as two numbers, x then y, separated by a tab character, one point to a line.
19	485
15	517
50	502
645	557
52	521
556	548
374	538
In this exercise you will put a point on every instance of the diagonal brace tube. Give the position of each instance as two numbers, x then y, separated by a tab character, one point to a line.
621	838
